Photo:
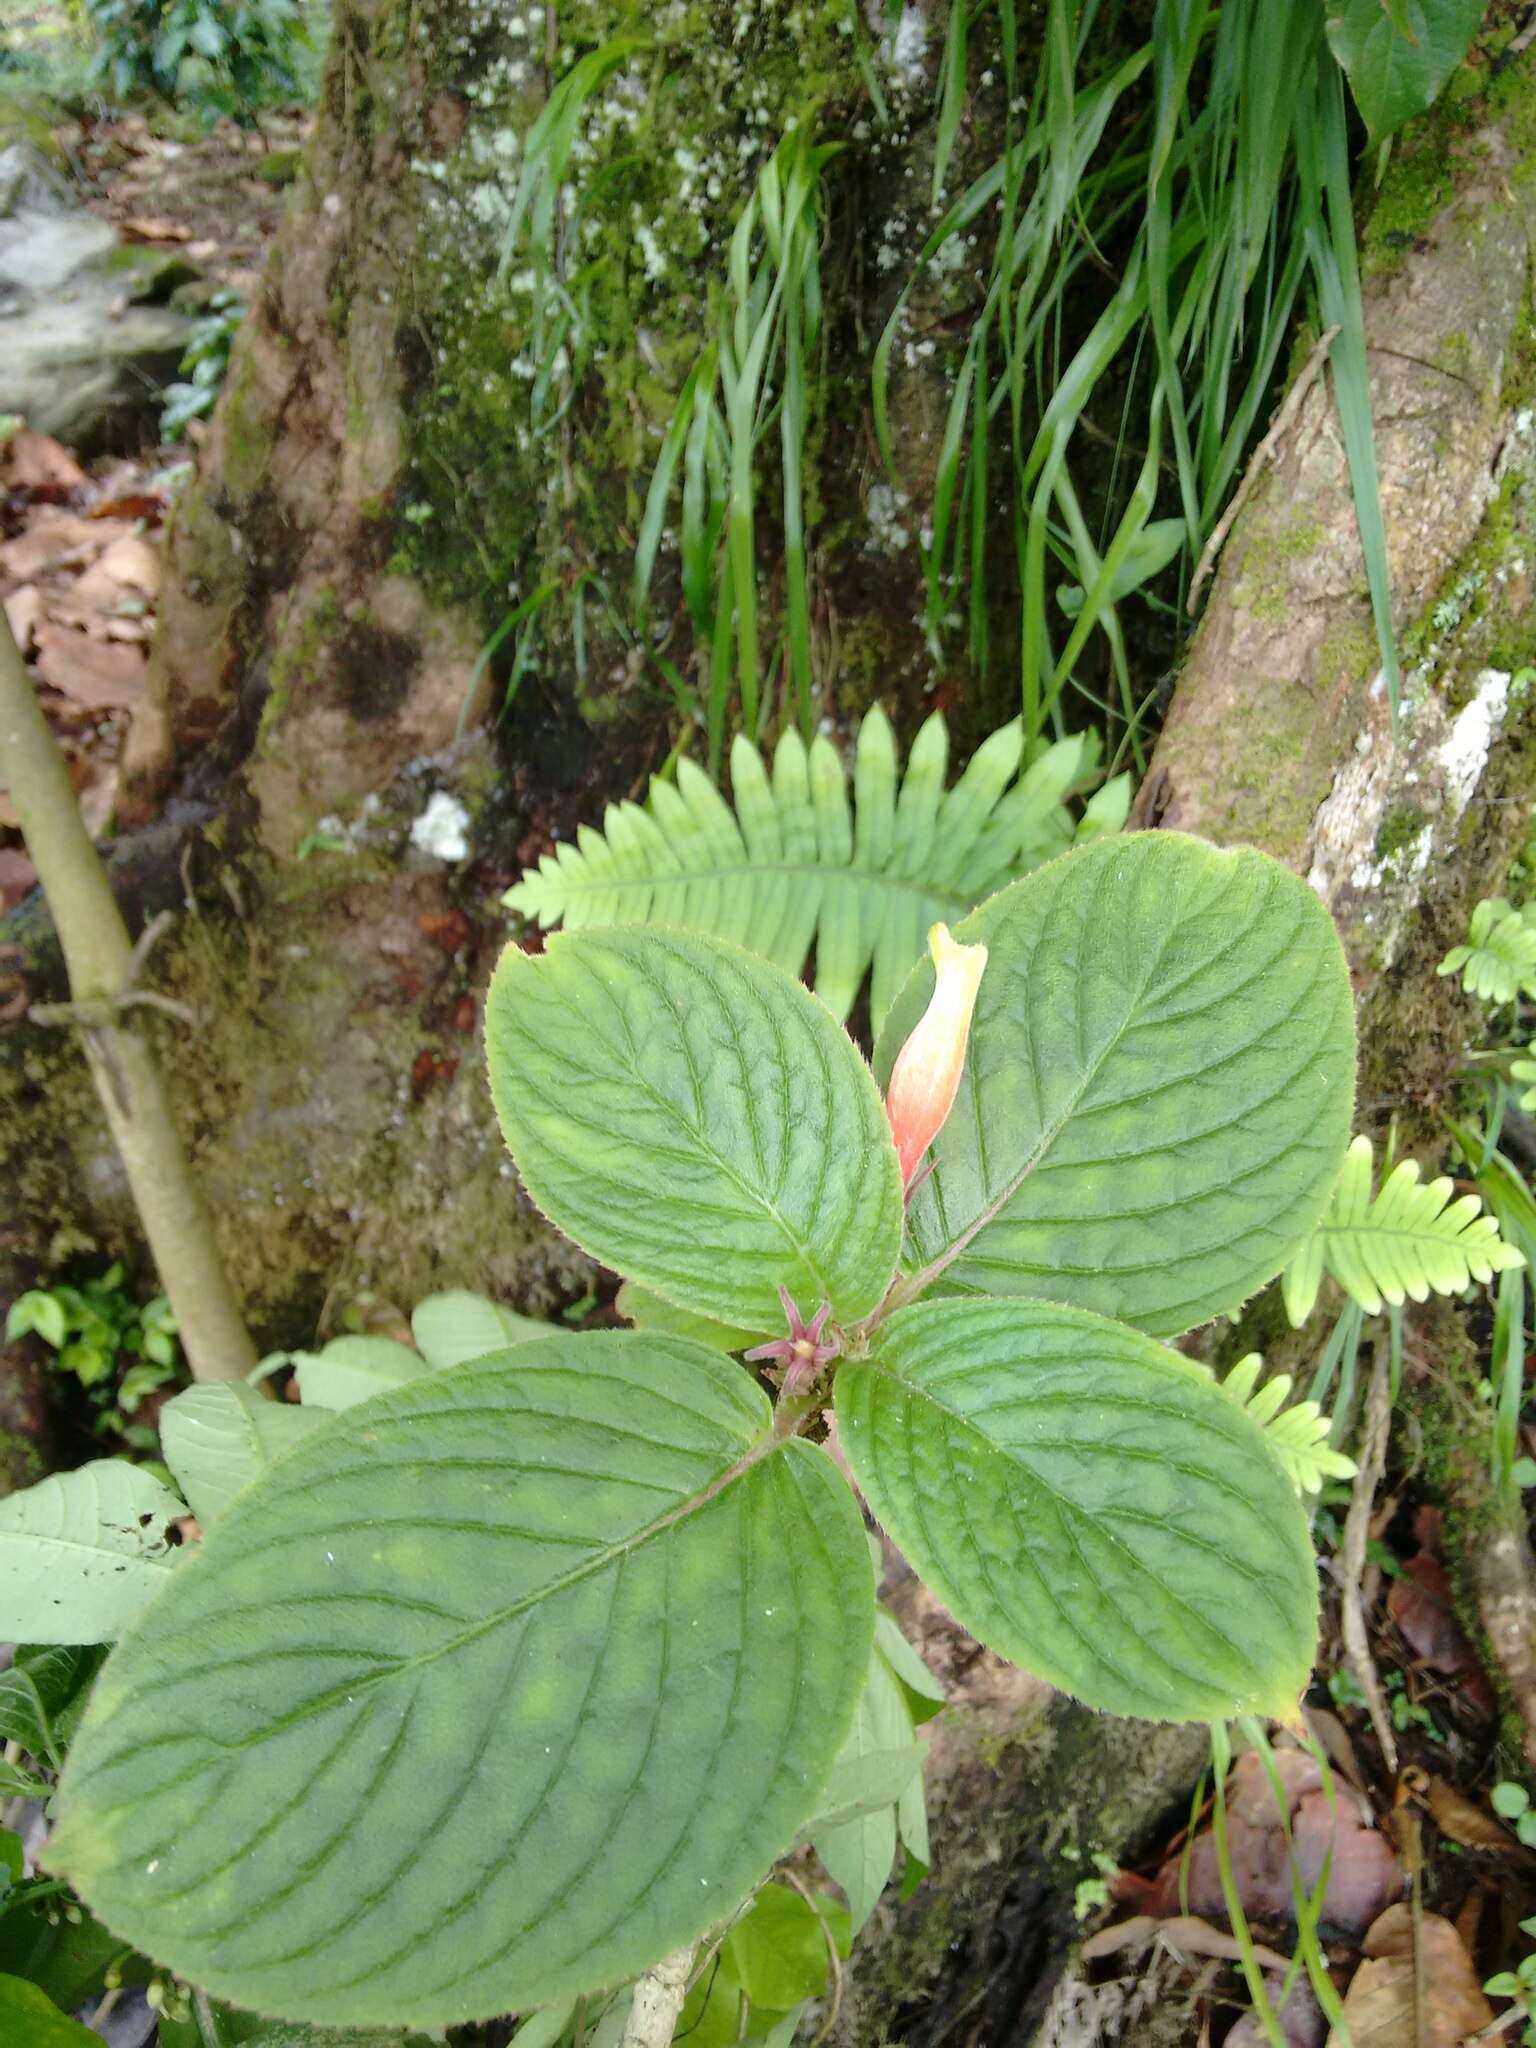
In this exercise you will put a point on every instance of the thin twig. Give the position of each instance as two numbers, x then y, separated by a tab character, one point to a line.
834	1961
1311	370
1357	1529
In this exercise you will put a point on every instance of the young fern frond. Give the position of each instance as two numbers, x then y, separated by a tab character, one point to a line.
797	864
1298	1434
1498	962
1408	1242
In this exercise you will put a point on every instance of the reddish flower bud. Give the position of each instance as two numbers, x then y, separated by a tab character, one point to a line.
926	1076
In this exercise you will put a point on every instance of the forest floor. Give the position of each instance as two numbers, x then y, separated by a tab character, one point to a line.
79	543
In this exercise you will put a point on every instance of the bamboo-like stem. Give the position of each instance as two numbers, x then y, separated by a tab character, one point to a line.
100	959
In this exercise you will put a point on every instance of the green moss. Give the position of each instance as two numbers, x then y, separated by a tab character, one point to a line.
249	435
1419	184
1401	828
485	513
302	648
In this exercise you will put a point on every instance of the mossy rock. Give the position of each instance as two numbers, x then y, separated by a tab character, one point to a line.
148	276
279	167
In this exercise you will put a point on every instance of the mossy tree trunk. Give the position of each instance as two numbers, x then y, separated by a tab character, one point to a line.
376	497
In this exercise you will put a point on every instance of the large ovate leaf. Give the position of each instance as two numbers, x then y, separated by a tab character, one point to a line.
1157	1094
496	1689
82	1553
694	1118
1398	60
1088	1504
217	1439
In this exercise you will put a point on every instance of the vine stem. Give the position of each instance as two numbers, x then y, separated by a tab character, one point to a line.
658	2001
101	963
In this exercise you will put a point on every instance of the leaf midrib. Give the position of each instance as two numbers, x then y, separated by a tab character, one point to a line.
755	1454
839	871
1069	1509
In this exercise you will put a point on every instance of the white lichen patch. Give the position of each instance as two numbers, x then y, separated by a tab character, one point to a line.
442	830
1464	753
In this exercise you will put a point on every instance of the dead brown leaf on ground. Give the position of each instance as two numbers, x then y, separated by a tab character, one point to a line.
62	541
32	459
1364	1872
1379	2007
142	227
18	877
104	675
23	610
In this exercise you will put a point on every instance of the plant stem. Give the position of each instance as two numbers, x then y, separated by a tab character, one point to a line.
100	959
658	2000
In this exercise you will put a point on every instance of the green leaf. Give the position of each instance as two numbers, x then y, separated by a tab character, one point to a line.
794	865
1498	962
492	1691
547	2028
694	1118
217	1439
40	1311
1394	76
353	1369
778	1949
1088	1504
859	1853
864	1781
68	1960
28	2015
455	1326
41	1682
236	2029
82	1553
648	1311
1157	1095
925	1696
1409	1242
1509	1800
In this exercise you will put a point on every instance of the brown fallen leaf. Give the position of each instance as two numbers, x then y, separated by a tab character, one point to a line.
154	227
96	802
1379	2007
1301	2018
1185	1931
23	610
1363	1875
1461	1820
129	504
105	675
18	877
1424	1609
32	459
56	542
129	564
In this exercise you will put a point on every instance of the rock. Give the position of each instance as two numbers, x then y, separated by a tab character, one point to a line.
82	355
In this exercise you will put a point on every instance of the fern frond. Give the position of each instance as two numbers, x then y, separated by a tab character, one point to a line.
1407	1243
1298	1434
796	864
1498	961
1524	1071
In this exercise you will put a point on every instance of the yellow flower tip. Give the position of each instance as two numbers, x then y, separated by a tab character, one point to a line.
926	1076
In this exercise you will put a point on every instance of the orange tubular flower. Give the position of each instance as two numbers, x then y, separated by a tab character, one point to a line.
926	1076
